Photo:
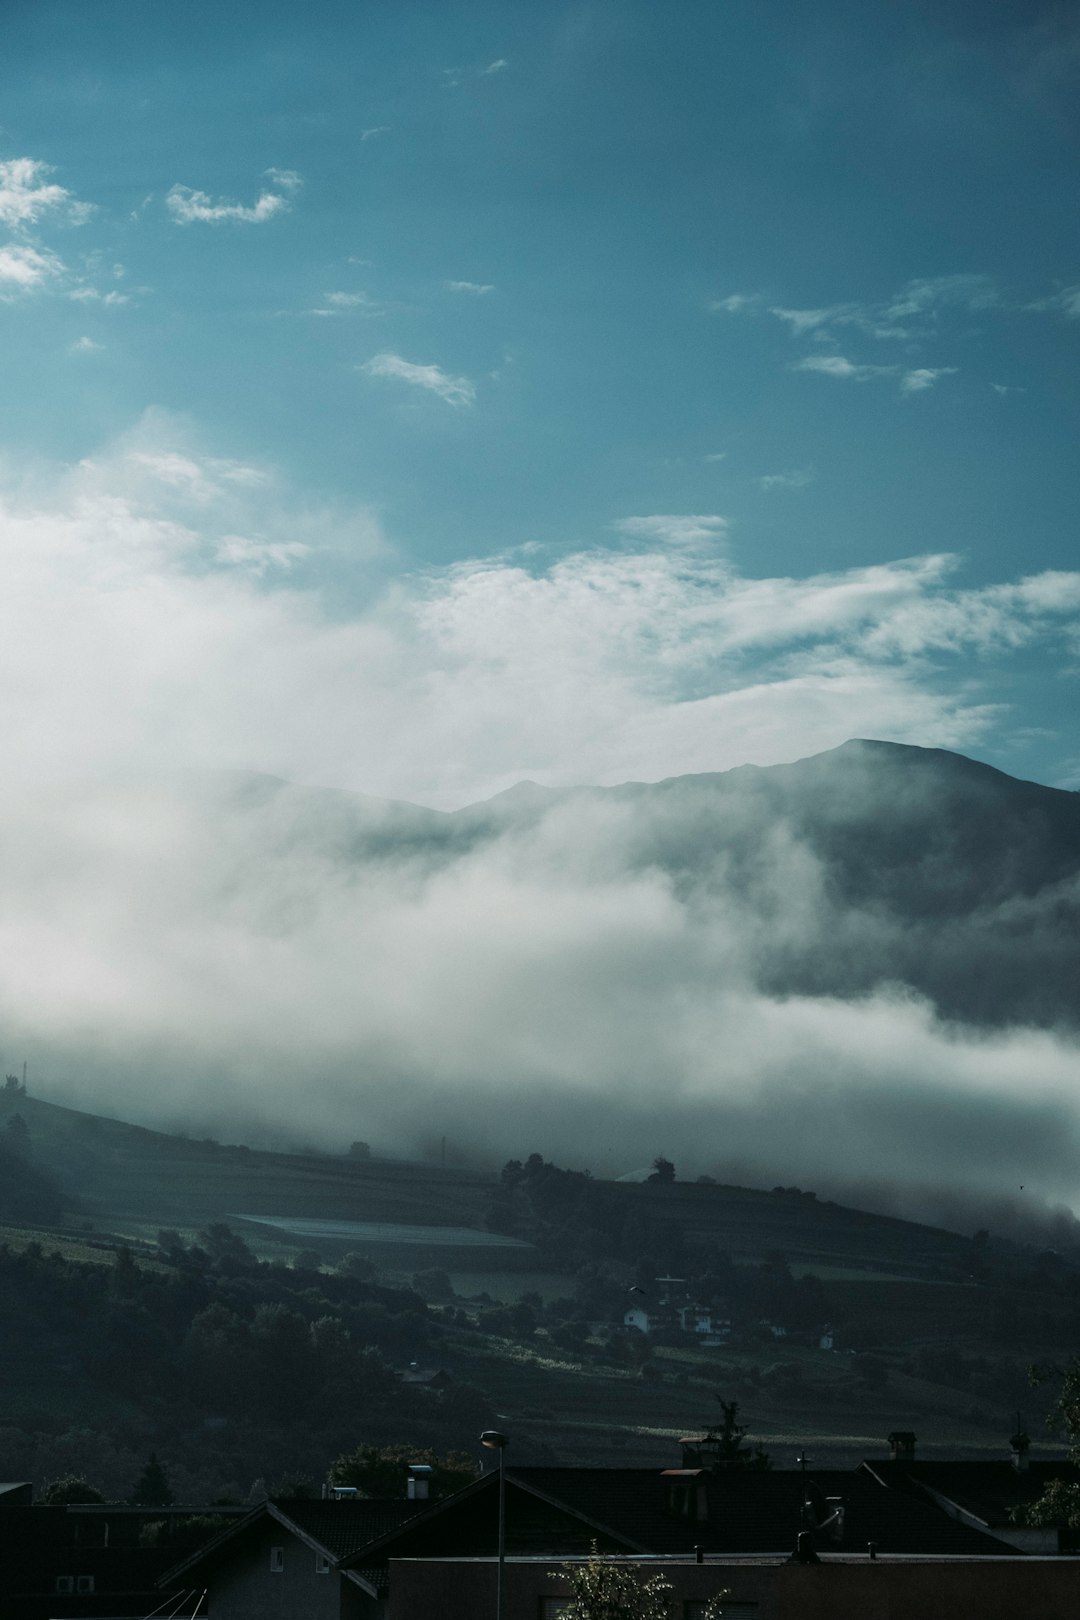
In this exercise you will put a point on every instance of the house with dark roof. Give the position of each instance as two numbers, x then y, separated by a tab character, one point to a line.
985	1495
92	1559
286	1558
558	1512
341	1559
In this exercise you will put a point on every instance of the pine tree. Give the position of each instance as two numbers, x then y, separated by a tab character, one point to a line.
152	1486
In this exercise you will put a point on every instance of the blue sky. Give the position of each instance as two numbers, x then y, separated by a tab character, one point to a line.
417	397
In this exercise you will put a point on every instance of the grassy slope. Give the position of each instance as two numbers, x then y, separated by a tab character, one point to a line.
908	1278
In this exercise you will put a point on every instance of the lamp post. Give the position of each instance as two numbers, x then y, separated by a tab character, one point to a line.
494	1441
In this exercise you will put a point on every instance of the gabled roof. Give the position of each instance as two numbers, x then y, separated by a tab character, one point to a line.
628	1509
987	1490
334	1528
753	1511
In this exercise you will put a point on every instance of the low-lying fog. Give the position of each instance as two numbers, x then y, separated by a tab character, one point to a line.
875	992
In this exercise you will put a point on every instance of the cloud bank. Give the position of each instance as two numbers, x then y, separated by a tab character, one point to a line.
188	943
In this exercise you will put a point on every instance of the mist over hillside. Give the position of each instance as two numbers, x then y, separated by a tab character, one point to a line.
857	972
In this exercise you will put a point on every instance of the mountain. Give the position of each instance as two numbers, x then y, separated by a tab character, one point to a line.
874	864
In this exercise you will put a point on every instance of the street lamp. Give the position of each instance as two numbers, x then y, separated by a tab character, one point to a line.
494	1441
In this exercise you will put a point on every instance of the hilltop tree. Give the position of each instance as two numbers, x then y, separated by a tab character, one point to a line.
663	1169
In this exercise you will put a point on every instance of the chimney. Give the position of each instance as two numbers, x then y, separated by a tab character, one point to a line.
419	1486
902	1445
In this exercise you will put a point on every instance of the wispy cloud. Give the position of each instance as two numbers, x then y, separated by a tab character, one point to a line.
431	378
689	531
110	300
1066	302
933	293
373	131
86	345
836	365
188	206
734	304
284	179
348	303
23	267
802	321
798	478
26	194
910	313
477	289
923	377
454	77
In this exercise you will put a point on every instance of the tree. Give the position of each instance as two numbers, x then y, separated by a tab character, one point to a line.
70	1490
359	1150
384	1470
663	1169
605	1589
1060	1502
728	1441
152	1486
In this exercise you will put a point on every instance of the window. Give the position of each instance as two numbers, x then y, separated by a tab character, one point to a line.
65	1583
84	1583
277	1560
322	1564
552	1607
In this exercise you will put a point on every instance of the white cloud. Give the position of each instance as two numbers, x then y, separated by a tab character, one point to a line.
284	179
161	617
477	289
835	365
344	303
929	294
26	194
679	529
734	303
109	300
86	345
22	267
915	382
645	659
498	66
798	478
909	314
373	131
188	206
454	390
1066	302
802	321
